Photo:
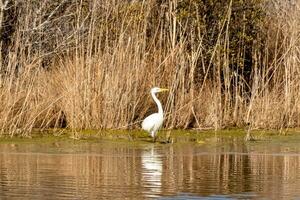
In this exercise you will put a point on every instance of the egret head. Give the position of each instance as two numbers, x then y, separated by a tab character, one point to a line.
157	89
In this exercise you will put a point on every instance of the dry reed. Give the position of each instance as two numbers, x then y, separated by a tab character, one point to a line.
91	64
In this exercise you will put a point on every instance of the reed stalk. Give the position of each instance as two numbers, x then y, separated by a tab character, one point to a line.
91	64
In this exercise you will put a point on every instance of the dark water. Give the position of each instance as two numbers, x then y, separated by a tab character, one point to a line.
122	170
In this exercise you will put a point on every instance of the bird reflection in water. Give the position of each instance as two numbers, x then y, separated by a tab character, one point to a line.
152	171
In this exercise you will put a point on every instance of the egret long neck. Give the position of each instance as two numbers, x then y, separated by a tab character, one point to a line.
160	109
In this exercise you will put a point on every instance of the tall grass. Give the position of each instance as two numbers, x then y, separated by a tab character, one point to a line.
91	64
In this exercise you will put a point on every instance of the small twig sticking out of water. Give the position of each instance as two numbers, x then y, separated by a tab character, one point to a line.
168	137
249	137
130	137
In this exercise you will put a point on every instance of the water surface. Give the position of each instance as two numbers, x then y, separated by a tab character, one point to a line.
217	169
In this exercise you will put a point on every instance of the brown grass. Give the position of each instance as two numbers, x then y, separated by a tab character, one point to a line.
98	74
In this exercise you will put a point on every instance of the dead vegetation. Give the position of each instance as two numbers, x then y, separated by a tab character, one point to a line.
91	64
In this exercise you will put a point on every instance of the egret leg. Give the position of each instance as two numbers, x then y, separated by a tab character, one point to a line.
153	136
154	139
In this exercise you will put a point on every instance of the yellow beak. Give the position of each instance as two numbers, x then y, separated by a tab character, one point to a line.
163	90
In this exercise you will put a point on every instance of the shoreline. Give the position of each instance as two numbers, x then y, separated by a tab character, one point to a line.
163	136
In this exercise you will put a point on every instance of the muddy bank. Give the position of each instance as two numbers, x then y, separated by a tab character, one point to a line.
164	136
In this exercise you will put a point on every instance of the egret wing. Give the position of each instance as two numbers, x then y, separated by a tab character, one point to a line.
152	123
149	122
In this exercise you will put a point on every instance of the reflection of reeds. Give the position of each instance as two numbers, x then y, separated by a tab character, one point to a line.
121	172
107	59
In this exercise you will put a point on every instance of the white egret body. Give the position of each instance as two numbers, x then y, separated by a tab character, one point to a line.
153	122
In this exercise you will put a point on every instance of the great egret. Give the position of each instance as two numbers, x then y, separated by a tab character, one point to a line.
153	122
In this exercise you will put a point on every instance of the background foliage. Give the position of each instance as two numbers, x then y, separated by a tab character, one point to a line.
90	64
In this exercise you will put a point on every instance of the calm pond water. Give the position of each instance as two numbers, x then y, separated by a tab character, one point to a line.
216	169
